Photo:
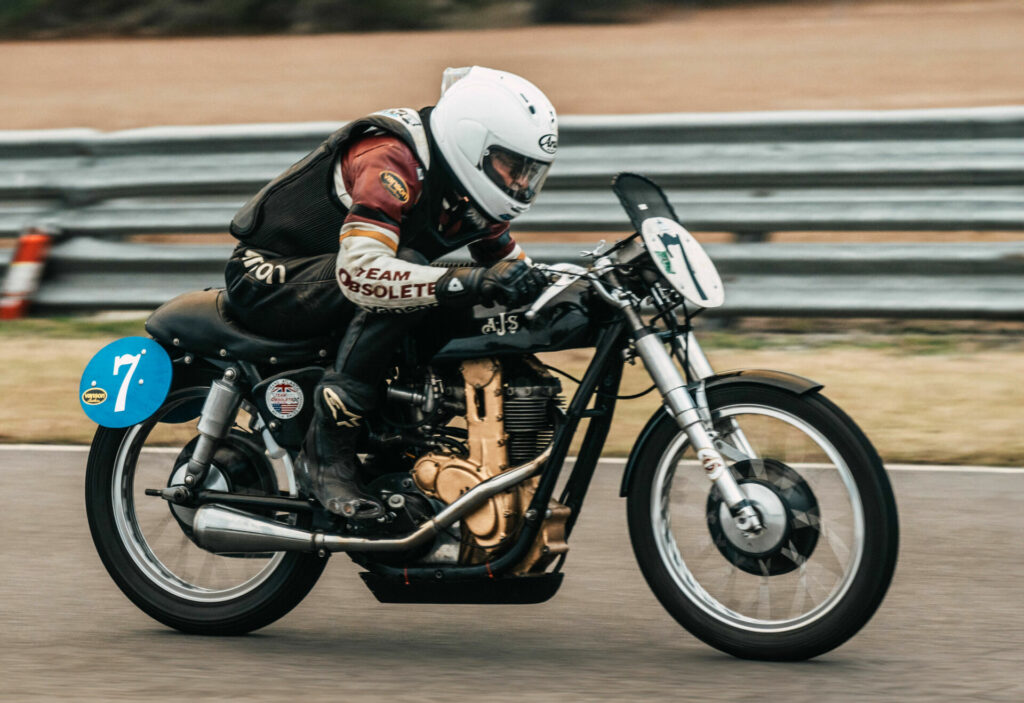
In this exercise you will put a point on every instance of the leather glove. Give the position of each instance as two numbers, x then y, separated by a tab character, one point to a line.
509	283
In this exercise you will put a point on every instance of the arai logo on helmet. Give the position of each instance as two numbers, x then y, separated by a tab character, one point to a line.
549	143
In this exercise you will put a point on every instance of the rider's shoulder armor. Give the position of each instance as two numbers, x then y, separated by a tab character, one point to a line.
300	212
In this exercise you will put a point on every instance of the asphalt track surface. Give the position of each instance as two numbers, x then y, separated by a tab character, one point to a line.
951	628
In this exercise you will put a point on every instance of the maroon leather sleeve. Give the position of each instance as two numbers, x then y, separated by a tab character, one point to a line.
382	175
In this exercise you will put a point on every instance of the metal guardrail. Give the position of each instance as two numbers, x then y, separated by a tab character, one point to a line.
946	281
748	173
957	169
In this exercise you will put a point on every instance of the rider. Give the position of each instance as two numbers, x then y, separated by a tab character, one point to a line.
342	240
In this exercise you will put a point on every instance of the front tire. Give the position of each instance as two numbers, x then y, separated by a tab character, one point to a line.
147	548
812	580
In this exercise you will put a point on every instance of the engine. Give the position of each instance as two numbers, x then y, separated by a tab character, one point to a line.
510	408
532	397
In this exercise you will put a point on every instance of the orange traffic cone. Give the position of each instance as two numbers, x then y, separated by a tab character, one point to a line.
24	272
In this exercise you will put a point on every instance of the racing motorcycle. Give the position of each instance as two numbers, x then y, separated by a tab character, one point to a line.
759	513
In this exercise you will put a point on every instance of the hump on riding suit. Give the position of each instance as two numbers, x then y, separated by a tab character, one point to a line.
301	212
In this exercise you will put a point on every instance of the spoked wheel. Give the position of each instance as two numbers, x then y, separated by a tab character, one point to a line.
820	568
146	543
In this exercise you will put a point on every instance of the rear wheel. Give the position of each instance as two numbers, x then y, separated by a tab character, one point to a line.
146	543
821	567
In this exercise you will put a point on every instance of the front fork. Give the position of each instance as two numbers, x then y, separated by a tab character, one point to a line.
690	355
684	411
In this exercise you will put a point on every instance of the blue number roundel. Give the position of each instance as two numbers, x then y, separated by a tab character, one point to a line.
125	382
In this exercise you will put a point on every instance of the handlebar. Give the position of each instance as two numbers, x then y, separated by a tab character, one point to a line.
569	274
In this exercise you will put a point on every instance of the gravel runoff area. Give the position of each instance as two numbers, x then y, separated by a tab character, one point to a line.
840	54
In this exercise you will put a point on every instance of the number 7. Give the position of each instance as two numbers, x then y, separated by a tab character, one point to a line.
120	361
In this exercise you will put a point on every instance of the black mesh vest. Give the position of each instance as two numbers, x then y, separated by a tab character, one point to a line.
299	213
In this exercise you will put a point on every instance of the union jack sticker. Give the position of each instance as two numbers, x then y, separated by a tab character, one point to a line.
284	399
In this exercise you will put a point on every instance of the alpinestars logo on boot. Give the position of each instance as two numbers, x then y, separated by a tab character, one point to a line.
343	417
393	184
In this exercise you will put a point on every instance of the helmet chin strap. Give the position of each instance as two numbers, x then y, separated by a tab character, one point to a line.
462	207
476	218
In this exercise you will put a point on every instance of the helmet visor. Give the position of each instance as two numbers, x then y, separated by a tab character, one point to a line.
518	176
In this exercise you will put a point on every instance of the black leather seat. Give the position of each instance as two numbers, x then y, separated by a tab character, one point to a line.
200	322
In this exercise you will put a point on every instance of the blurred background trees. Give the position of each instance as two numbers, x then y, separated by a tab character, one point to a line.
69	18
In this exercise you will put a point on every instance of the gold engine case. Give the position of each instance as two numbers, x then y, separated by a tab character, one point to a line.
447	477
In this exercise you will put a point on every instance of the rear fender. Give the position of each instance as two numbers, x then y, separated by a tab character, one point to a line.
791	383
198	373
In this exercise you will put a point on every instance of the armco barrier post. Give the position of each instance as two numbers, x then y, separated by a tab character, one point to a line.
24	272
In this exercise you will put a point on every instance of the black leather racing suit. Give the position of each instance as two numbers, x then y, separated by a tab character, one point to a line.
341	239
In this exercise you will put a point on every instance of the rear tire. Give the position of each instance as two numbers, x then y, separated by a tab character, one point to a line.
819	579
132	533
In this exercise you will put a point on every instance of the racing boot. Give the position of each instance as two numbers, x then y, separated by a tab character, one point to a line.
329	458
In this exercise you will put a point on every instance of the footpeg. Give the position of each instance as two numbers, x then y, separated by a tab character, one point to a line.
172	494
355	508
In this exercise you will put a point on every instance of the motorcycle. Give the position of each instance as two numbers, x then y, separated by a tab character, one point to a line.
759	513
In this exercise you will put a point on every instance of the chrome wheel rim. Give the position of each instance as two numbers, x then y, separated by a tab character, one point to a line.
760	603
153	537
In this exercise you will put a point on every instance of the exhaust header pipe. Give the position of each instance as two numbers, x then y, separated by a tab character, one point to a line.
221	529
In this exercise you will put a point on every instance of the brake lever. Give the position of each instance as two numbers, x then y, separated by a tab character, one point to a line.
568	274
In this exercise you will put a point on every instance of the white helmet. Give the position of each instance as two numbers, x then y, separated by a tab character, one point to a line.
498	133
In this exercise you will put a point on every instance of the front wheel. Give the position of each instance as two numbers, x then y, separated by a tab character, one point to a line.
821	567
146	543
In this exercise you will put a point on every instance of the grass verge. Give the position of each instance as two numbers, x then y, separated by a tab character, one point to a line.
946	399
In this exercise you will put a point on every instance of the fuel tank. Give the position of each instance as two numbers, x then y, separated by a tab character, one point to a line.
565	323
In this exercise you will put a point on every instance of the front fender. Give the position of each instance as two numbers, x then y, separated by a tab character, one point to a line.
791	383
